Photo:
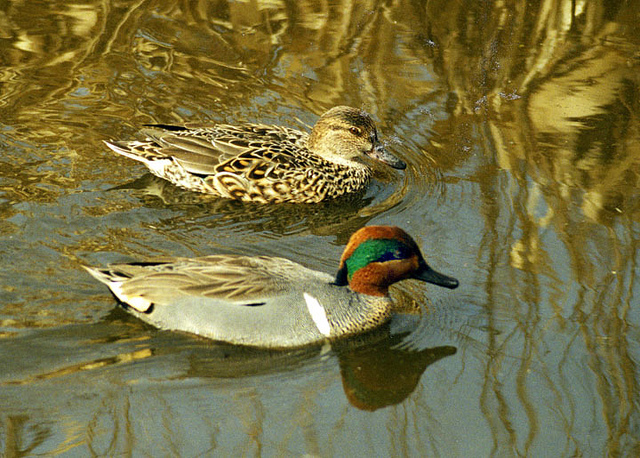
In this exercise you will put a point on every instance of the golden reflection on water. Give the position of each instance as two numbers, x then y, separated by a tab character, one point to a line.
519	122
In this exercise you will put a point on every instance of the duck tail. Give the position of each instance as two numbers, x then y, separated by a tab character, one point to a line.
131	150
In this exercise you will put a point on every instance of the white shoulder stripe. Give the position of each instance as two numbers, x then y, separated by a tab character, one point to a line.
318	315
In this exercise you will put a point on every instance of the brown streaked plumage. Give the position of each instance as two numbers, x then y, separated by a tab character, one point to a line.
265	163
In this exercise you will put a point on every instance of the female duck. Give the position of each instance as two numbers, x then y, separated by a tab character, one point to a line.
273	302
266	164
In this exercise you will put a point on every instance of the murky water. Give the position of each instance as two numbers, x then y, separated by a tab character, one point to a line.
520	126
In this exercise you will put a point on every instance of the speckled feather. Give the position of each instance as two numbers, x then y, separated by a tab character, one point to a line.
264	163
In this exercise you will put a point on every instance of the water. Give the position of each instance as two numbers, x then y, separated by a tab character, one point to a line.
519	125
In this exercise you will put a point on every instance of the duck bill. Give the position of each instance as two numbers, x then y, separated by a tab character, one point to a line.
431	276
382	155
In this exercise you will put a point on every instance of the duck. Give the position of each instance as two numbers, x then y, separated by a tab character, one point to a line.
272	302
265	163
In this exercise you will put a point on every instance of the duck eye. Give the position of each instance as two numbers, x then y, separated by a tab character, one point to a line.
355	130
401	252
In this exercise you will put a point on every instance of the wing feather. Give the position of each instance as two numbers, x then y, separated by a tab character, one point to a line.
238	279
243	149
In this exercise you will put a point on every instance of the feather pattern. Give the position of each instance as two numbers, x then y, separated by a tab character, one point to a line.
265	163
272	302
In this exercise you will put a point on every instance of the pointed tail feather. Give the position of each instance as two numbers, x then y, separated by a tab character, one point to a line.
114	283
127	149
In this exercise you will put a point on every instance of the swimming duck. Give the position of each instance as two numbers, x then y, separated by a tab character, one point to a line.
273	302
265	163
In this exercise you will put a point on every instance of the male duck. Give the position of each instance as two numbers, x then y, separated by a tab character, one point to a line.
263	163
273	302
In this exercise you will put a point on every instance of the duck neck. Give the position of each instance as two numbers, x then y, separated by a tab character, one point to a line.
361	312
337	160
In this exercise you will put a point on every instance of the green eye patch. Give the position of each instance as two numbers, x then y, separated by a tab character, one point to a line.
376	250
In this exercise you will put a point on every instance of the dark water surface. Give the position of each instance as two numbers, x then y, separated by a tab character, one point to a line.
520	126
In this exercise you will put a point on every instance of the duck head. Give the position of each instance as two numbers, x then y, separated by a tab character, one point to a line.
345	133
378	256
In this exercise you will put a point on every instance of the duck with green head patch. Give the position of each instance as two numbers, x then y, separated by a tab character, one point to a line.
273	302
